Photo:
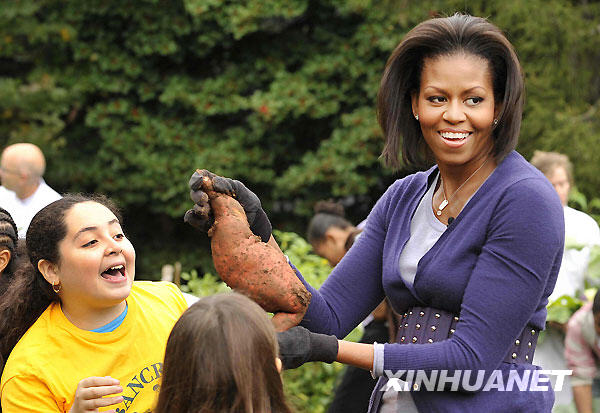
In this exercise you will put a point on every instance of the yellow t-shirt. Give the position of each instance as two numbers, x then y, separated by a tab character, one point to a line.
44	368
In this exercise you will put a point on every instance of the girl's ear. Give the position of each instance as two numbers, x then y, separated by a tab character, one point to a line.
278	364
4	259
330	238
49	271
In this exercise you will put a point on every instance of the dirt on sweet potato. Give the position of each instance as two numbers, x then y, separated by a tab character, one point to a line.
250	266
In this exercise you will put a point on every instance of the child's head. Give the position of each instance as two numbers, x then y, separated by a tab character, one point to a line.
77	246
221	357
8	242
70	243
328	231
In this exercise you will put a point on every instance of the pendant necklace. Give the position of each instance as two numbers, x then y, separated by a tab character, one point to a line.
446	201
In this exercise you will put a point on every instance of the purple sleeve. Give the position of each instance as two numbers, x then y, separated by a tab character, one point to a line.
521	254
354	287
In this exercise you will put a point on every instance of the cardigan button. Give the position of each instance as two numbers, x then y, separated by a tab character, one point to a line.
433	328
437	315
514	355
418	326
533	332
517	342
405	325
414	339
529	344
410	313
526	357
430	340
455	318
402	339
452	331
422	313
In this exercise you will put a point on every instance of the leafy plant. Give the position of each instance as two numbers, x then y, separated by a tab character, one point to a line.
579	201
203	286
128	97
561	309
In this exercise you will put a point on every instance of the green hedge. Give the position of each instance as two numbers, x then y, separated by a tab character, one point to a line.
128	97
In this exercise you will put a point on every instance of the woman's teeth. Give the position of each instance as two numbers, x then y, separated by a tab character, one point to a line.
454	135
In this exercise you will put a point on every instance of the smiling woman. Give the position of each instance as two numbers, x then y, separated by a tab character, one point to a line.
83	335
467	250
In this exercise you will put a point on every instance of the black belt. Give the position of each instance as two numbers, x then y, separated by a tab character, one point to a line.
422	325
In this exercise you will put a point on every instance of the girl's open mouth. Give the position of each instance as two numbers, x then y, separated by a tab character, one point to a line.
116	273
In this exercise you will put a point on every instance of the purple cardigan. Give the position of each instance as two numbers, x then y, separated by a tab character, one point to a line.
495	266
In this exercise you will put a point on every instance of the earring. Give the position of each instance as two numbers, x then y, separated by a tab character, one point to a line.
416	116
56	287
495	122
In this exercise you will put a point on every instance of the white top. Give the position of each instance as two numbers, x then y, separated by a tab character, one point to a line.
583	231
23	210
580	230
425	230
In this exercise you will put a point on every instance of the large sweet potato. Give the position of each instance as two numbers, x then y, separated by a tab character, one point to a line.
250	266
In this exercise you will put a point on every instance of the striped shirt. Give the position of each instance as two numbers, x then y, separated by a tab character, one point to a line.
581	346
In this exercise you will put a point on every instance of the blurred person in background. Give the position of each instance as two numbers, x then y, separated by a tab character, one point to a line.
582	351
24	192
331	236
581	232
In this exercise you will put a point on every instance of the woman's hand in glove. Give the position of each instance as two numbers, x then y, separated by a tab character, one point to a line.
201	217
299	345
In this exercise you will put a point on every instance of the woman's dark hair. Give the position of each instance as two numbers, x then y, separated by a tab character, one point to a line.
9	239
220	358
402	78
328	214
28	293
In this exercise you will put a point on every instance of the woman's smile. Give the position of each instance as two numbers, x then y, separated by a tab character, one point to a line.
454	138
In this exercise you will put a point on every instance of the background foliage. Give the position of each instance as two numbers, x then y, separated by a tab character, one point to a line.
128	97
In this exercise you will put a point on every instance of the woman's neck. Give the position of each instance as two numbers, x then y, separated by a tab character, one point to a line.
90	318
457	185
467	177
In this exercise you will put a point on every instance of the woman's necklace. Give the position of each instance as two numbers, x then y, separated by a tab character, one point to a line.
446	201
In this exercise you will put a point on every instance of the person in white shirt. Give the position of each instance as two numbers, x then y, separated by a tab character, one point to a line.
24	192
582	231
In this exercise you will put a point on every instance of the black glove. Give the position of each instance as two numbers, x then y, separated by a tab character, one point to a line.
298	346
201	217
